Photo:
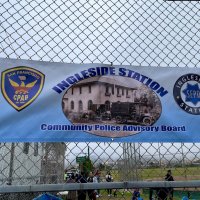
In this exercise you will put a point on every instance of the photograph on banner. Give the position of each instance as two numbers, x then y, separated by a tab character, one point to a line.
111	100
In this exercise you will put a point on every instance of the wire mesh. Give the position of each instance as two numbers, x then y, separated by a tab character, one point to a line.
142	33
55	162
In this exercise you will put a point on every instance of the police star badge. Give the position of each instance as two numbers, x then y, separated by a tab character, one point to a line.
187	93
21	86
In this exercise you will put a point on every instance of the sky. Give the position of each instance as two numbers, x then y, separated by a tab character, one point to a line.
108	152
142	33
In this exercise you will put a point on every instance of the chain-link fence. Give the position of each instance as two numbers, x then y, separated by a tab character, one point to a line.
142	33
54	163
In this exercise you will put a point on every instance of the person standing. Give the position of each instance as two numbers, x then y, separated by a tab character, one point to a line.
72	194
109	179
91	193
97	179
136	194
81	193
169	177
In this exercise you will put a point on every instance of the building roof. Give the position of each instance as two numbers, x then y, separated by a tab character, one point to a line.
113	80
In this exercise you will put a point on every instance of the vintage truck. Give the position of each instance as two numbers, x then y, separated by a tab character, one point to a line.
136	112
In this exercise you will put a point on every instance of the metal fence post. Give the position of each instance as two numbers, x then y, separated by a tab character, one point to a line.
11	163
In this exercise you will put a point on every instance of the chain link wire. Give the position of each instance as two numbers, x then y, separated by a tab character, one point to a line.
141	33
54	163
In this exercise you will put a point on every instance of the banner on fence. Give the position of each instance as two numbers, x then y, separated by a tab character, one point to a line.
43	101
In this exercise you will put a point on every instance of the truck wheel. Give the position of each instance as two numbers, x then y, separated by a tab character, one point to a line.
118	119
146	121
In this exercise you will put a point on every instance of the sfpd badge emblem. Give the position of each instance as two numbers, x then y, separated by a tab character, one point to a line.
187	93
21	86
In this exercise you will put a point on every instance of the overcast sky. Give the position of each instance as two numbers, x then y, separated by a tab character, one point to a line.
145	32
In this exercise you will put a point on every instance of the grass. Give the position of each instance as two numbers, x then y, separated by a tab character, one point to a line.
179	173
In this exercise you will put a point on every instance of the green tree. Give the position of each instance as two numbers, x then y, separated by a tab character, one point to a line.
87	166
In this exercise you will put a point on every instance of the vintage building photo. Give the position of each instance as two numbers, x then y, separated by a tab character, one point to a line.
111	100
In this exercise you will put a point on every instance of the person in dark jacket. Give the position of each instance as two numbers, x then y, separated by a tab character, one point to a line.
169	177
81	193
109	179
136	194
91	193
72	194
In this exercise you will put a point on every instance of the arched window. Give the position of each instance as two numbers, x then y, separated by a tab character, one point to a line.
107	89
90	103
126	92
72	105
90	88
72	90
80	106
107	105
